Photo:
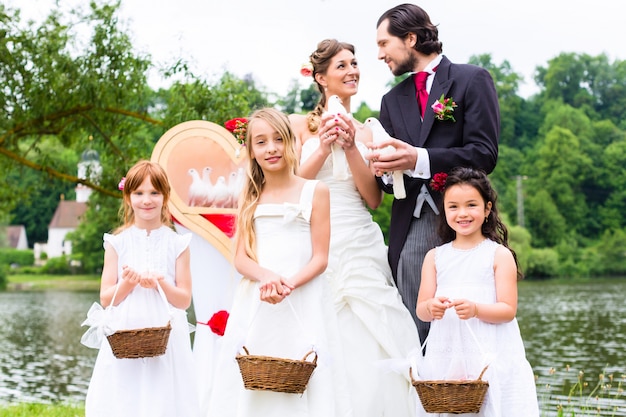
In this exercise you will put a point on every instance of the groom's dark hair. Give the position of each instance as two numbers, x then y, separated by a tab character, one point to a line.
409	18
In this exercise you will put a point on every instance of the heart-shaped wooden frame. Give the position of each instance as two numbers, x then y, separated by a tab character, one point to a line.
198	144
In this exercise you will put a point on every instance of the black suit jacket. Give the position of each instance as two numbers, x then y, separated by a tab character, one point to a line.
470	141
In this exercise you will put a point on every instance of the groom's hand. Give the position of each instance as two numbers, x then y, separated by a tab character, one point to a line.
404	157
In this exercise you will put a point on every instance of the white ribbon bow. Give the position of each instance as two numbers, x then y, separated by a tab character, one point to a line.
97	319
293	210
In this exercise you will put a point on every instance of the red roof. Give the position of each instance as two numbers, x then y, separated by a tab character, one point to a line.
68	214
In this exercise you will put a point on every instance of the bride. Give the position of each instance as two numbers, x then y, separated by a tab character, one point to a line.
373	322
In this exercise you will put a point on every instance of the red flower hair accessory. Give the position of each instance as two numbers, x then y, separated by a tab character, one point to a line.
238	127
218	321
120	185
306	70
438	183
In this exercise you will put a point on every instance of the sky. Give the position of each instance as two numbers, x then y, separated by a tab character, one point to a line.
272	39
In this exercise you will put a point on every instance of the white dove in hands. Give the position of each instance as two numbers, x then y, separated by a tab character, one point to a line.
340	165
379	134
335	105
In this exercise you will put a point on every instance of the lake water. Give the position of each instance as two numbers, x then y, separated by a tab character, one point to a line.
567	329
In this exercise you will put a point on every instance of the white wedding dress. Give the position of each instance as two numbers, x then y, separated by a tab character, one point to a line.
374	324
161	386
303	321
460	349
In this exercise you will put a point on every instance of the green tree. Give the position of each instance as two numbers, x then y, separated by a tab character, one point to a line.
197	99
546	224
504	177
561	169
613	180
507	85
591	83
56	89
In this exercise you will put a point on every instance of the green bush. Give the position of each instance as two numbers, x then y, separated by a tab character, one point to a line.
543	263
26	270
22	257
3	277
57	266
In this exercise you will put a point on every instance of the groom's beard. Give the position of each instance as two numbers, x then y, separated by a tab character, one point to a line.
407	65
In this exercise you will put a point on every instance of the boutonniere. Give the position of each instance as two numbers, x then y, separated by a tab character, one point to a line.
438	182
444	108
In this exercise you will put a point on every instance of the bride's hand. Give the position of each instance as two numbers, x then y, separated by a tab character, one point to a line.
345	130
327	132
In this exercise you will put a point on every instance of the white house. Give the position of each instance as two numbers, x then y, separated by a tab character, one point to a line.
66	219
16	236
68	214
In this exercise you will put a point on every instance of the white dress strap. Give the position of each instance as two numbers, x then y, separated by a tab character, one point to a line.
308	191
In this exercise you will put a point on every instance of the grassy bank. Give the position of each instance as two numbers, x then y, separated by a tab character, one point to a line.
37	282
41	410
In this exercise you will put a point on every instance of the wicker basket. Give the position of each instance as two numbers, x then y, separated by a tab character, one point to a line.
454	396
266	373
140	343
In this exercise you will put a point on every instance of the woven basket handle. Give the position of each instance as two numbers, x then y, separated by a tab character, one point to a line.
481	374
309	354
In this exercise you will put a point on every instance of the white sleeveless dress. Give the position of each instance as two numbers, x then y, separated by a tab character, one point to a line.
375	325
453	351
305	320
162	386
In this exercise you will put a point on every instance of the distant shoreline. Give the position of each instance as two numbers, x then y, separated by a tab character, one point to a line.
33	282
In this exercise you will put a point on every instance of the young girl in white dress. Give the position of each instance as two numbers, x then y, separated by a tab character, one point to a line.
143	253
282	307
375	325
469	293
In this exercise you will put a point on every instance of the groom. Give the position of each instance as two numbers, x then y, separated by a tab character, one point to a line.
467	135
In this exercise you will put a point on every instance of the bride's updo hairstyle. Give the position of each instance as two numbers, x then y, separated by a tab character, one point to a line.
320	59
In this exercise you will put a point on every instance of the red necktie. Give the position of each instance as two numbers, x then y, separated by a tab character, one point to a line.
422	93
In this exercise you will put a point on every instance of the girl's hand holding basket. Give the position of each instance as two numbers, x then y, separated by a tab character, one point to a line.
274	291
465	309
437	307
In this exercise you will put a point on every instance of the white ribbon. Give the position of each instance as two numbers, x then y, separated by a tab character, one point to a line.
293	210
97	319
424	196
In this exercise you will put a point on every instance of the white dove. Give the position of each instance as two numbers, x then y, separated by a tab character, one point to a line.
232	179
206	179
240	180
379	134
196	195
221	193
340	165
